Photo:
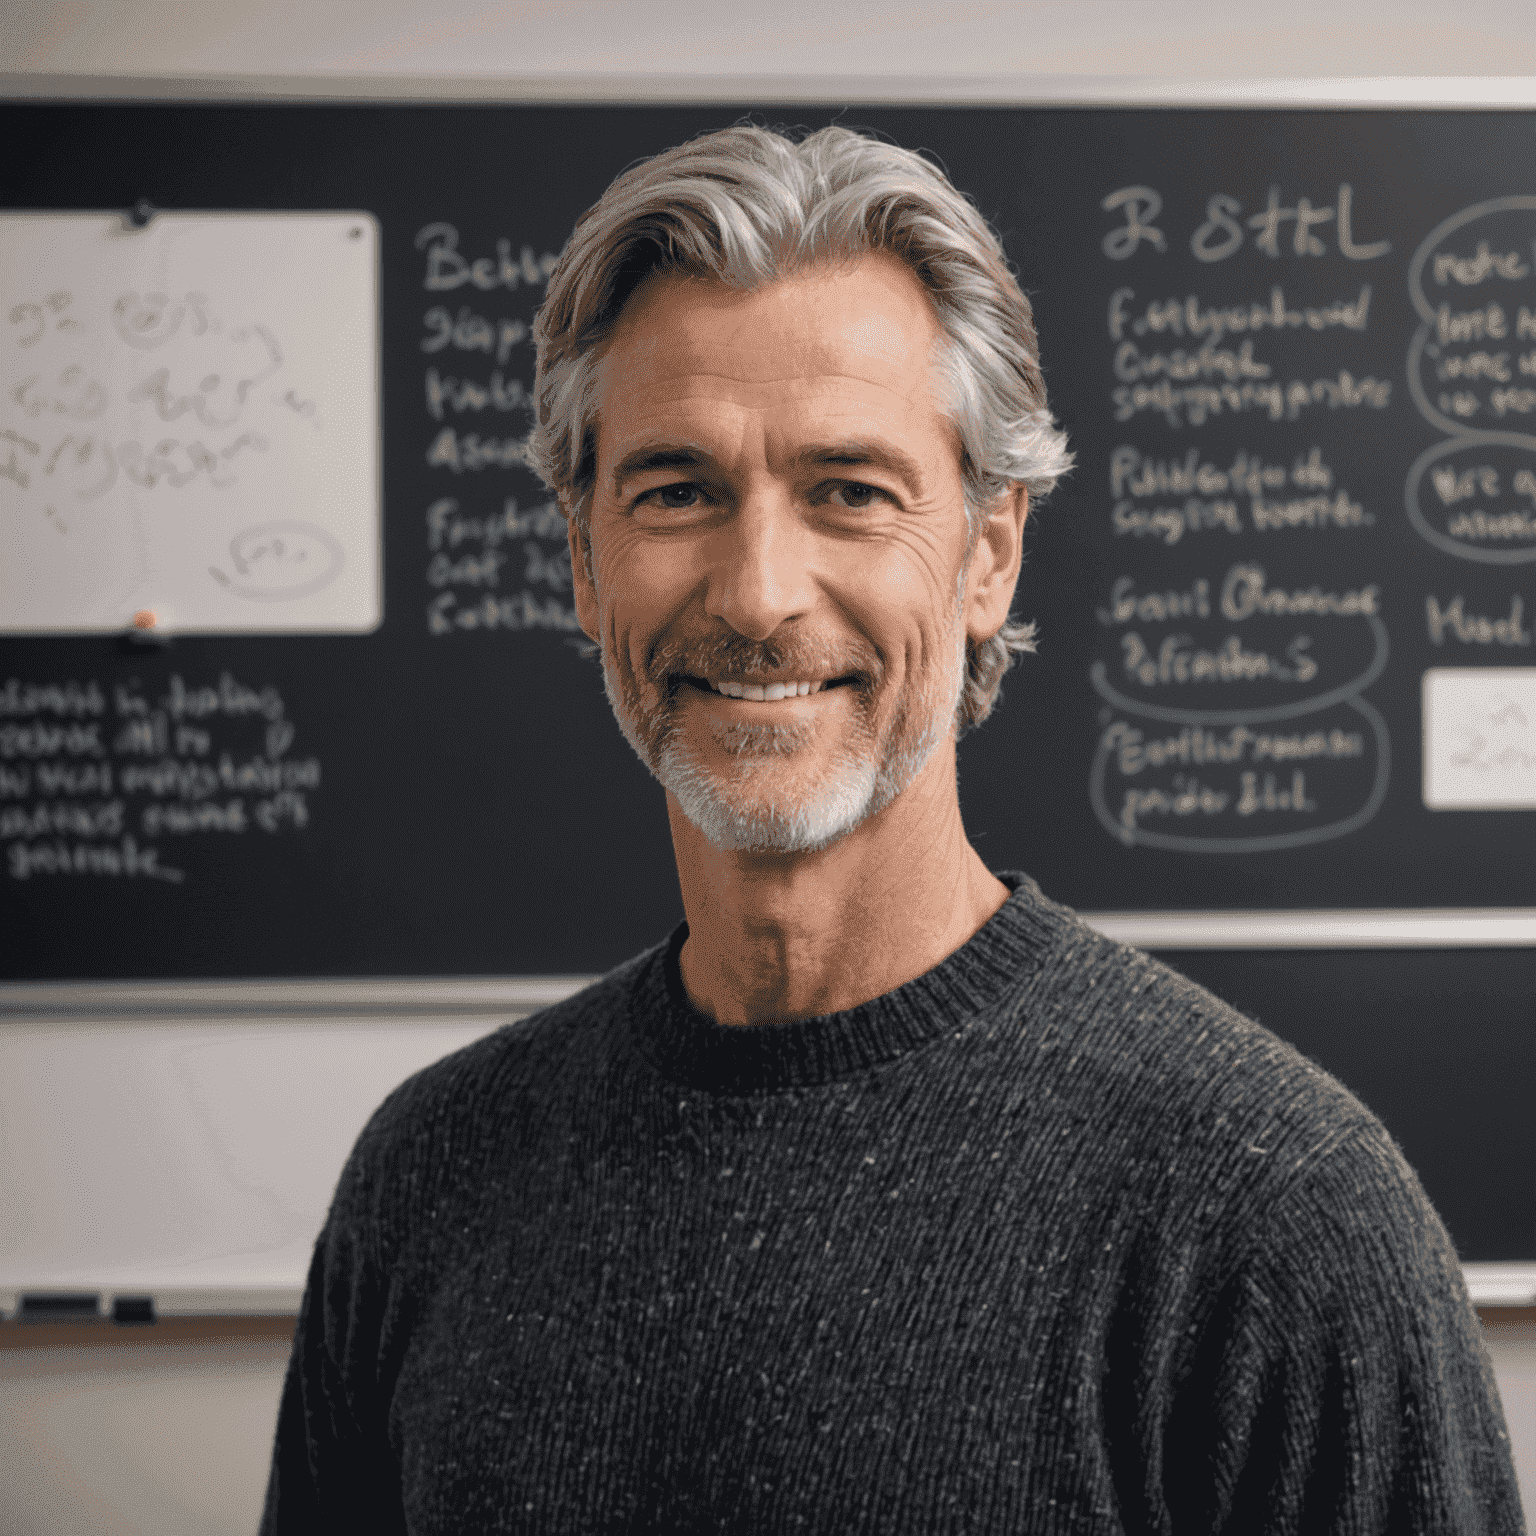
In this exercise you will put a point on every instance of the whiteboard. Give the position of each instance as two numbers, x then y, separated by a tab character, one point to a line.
191	1157
189	423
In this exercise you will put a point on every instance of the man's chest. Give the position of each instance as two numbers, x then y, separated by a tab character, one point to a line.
755	1367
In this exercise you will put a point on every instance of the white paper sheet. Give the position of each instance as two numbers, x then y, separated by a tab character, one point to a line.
189	423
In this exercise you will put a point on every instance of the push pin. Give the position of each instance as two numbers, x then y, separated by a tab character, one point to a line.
141	213
144	632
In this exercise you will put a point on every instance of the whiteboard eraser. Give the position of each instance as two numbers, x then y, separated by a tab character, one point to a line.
58	1306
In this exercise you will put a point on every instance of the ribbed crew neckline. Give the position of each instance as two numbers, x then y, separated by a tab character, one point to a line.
693	1050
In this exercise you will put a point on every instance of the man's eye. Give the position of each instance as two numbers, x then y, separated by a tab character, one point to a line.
854	494
684	494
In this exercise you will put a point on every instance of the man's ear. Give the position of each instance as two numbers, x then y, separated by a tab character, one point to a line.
995	564
579	537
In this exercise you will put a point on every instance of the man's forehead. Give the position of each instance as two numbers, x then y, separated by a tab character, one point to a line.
838	351
868	318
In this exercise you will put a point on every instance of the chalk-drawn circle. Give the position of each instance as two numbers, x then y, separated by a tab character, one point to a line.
1481	447
1272	843
1099	675
277	562
1421	400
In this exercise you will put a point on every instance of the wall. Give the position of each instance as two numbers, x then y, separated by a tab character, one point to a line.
167	1430
1065	41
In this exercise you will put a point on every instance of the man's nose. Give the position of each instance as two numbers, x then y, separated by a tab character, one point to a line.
760	574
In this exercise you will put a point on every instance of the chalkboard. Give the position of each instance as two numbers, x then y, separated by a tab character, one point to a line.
1295	352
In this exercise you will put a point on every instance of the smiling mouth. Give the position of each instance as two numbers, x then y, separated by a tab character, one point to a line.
762	693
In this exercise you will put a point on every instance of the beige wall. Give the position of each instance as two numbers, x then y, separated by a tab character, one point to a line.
162	1431
1083	39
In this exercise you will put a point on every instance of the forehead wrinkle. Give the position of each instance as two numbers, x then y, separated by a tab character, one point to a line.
670	359
869	418
800	429
702	384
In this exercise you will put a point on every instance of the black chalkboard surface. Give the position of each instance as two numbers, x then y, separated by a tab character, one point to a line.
1296	355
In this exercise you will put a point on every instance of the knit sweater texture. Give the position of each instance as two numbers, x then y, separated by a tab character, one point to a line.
1046	1240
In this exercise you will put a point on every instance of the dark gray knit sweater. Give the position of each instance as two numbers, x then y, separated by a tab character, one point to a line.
1048	1239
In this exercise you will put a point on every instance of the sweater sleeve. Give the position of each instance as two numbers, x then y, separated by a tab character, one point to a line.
1341	1384
332	1467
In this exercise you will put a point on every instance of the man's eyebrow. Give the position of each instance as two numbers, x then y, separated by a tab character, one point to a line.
851	453
856	452
656	456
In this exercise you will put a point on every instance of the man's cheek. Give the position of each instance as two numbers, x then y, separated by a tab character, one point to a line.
628	648
589	612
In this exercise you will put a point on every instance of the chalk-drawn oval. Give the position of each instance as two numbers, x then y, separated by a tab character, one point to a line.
1367	798
1511	395
277	562
1509	512
1099	675
1494	209
1503	244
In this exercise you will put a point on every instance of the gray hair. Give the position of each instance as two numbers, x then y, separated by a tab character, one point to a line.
748	206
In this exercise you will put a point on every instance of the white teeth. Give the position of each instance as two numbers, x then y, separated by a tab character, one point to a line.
765	692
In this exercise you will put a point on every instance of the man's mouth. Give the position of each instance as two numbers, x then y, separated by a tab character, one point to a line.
765	692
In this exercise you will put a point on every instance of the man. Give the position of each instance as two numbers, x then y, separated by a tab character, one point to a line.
885	1196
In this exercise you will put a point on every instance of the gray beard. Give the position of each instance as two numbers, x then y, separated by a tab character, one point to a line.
741	822
861	781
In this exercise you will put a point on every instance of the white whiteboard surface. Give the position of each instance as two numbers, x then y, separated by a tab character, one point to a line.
191	1161
189	423
1480	738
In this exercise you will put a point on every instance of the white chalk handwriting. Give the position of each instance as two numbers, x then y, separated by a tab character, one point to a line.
448	269
1279	229
93	780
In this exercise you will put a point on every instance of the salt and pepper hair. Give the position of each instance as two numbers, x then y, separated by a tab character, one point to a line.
748	206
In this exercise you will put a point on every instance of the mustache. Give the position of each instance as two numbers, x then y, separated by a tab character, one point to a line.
805	656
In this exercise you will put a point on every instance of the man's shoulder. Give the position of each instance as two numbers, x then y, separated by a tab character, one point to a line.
1176	1059
518	1069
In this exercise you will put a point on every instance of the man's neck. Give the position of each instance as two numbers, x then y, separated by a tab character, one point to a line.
789	936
